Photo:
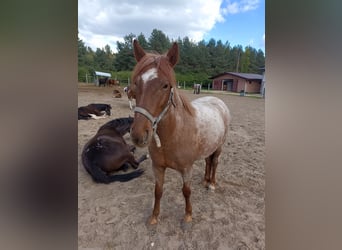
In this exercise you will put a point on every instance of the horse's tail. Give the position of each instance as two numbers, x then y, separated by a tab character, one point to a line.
101	176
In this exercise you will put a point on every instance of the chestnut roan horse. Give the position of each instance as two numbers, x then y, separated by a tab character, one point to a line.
176	131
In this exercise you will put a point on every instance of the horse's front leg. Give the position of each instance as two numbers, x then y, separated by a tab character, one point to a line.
159	173
187	176
130	105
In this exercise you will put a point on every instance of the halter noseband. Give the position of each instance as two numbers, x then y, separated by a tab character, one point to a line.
156	120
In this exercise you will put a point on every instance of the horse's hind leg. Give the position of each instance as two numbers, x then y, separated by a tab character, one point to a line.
210	169
207	171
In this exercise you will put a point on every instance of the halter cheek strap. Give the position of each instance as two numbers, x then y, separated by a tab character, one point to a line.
156	120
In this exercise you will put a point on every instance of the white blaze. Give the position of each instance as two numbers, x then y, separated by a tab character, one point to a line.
149	75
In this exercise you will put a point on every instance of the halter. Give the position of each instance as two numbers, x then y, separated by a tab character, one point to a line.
155	120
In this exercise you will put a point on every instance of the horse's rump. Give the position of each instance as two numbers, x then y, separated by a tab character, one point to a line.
92	162
212	122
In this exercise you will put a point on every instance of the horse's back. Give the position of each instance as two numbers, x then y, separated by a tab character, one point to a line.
212	121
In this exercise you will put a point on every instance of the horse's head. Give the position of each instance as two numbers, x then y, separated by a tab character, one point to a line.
153	83
107	109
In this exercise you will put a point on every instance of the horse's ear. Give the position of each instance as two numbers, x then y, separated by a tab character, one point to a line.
172	54
138	50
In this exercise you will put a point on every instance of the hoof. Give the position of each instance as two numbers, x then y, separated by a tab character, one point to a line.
153	220
186	225
187	218
212	187
205	183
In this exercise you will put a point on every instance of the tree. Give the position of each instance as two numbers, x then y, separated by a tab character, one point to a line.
158	41
124	58
198	61
82	50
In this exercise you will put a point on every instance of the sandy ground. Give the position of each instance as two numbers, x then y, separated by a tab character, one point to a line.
114	216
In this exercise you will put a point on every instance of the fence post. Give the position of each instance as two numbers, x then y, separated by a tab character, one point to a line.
86	78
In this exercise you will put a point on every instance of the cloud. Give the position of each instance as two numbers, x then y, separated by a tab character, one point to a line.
104	22
234	7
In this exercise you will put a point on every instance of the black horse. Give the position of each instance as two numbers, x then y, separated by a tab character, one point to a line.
103	81
94	111
107	152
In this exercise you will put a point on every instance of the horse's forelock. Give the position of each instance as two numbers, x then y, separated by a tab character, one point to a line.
149	61
144	64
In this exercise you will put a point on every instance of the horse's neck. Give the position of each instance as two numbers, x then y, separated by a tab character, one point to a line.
179	114
122	126
124	129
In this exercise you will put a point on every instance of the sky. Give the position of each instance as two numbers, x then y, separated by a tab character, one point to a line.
239	22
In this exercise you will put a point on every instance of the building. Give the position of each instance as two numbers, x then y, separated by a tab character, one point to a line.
238	82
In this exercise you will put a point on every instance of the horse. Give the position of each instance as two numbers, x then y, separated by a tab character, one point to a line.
197	88
112	82
116	93
103	81
130	94
107	152
94	111
176	131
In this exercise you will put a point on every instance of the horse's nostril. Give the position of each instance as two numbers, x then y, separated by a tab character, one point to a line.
145	137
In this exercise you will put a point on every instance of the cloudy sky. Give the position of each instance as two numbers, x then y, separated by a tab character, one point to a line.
240	22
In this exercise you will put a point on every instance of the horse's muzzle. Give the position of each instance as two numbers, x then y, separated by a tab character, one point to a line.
142	138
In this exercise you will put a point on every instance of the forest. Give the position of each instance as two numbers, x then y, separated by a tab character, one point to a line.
198	60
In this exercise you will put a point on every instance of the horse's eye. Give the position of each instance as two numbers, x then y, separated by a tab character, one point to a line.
165	86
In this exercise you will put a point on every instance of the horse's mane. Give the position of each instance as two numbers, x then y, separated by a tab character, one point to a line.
162	63
186	103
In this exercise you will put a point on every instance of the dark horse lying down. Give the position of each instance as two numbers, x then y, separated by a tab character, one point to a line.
107	151
94	110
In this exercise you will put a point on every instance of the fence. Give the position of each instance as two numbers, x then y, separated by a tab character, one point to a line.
124	82
190	85
93	80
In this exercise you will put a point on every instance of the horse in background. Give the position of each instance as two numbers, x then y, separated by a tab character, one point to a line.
130	94
107	152
103	81
113	82
94	111
117	93
197	88
176	131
